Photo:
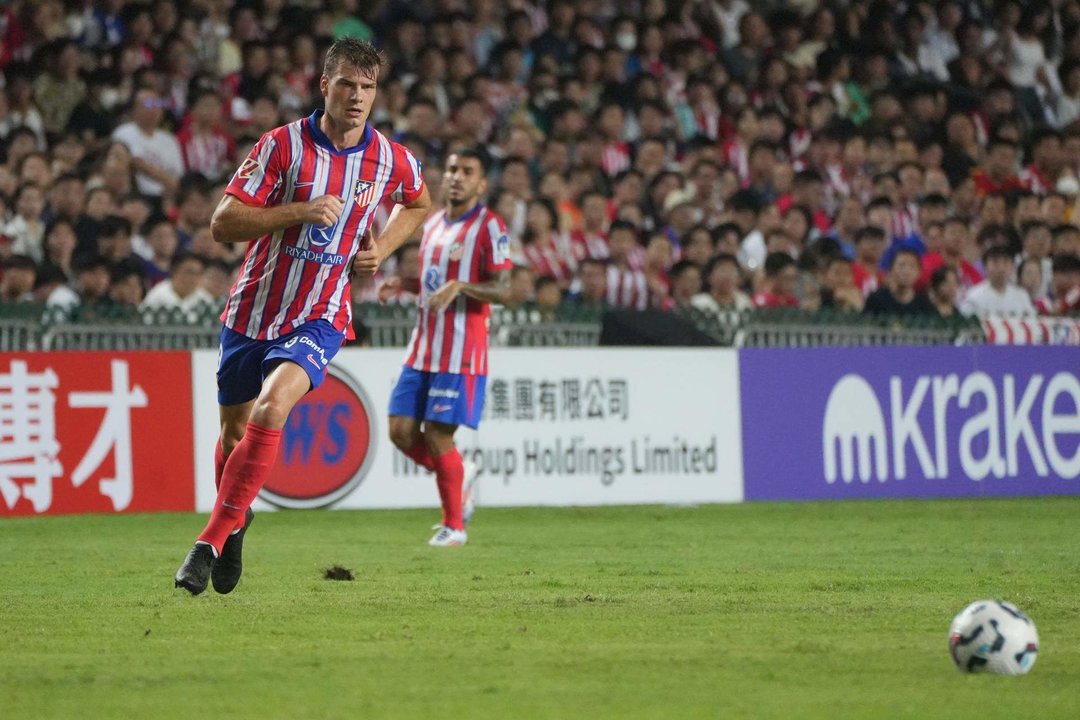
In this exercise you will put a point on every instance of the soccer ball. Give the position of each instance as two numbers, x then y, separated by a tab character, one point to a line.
993	636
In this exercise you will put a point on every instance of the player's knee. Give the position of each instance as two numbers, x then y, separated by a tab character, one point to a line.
270	412
401	435
229	440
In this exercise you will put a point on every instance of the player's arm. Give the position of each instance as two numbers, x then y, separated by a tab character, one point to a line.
495	291
237	221
404	220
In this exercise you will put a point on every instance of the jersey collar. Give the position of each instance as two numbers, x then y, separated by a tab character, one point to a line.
321	139
466	216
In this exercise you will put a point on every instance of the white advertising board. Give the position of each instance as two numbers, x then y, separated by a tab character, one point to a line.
560	427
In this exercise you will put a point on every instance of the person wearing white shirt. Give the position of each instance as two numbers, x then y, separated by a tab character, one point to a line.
182	290
997	296
722	279
156	153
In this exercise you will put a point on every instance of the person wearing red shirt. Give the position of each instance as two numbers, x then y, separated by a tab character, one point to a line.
998	175
954	245
206	147
1047	160
779	286
869	248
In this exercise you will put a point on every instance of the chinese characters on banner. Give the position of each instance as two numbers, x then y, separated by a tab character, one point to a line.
530	399
95	432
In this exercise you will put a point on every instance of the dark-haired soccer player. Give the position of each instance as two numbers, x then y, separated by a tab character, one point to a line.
305	196
465	265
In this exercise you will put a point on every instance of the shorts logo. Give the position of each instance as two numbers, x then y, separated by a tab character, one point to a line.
441	408
432	280
327	445
305	340
249	168
291	341
364	194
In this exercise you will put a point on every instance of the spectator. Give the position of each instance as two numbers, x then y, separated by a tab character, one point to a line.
998	174
60	242
114	242
88	290
1064	297
698	246
100	203
997	295
779	285
626	287
1047	162
158	160
592	292
59	89
955	244
899	296
944	286
722	277
523	285
19	278
67	199
26	230
685	278
839	291
127	283
1035	238
217	279
548	297
207	149
866	267
181	291
1029	277
545	246
163	244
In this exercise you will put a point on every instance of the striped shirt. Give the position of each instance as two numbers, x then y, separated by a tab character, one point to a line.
472	249
300	274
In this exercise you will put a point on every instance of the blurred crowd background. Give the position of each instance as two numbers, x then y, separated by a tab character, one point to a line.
879	157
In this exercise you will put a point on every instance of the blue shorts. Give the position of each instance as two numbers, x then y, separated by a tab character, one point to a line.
244	363
447	398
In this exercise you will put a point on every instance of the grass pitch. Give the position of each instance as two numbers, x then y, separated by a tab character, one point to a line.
745	611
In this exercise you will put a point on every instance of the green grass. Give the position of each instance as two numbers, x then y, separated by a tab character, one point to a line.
745	611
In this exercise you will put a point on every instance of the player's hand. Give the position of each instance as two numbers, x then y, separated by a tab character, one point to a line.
388	288
324	211
367	260
441	298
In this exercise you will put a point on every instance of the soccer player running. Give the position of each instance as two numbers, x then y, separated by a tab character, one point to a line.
305	196
465	265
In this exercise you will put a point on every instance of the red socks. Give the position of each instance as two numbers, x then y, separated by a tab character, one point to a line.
242	477
420	455
449	474
219	463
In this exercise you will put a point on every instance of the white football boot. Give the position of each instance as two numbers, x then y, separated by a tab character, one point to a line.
448	537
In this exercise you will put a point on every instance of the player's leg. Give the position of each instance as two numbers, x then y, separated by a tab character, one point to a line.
230	564
250	462
245	471
449	474
407	402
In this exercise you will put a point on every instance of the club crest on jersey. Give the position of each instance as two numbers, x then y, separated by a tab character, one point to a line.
249	168
364	194
456	251
502	249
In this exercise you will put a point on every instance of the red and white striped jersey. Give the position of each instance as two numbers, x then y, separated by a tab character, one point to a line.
552	258
627	288
300	274
472	249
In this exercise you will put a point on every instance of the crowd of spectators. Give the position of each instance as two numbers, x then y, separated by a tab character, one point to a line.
865	156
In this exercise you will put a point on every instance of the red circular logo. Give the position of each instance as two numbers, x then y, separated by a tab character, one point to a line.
326	445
